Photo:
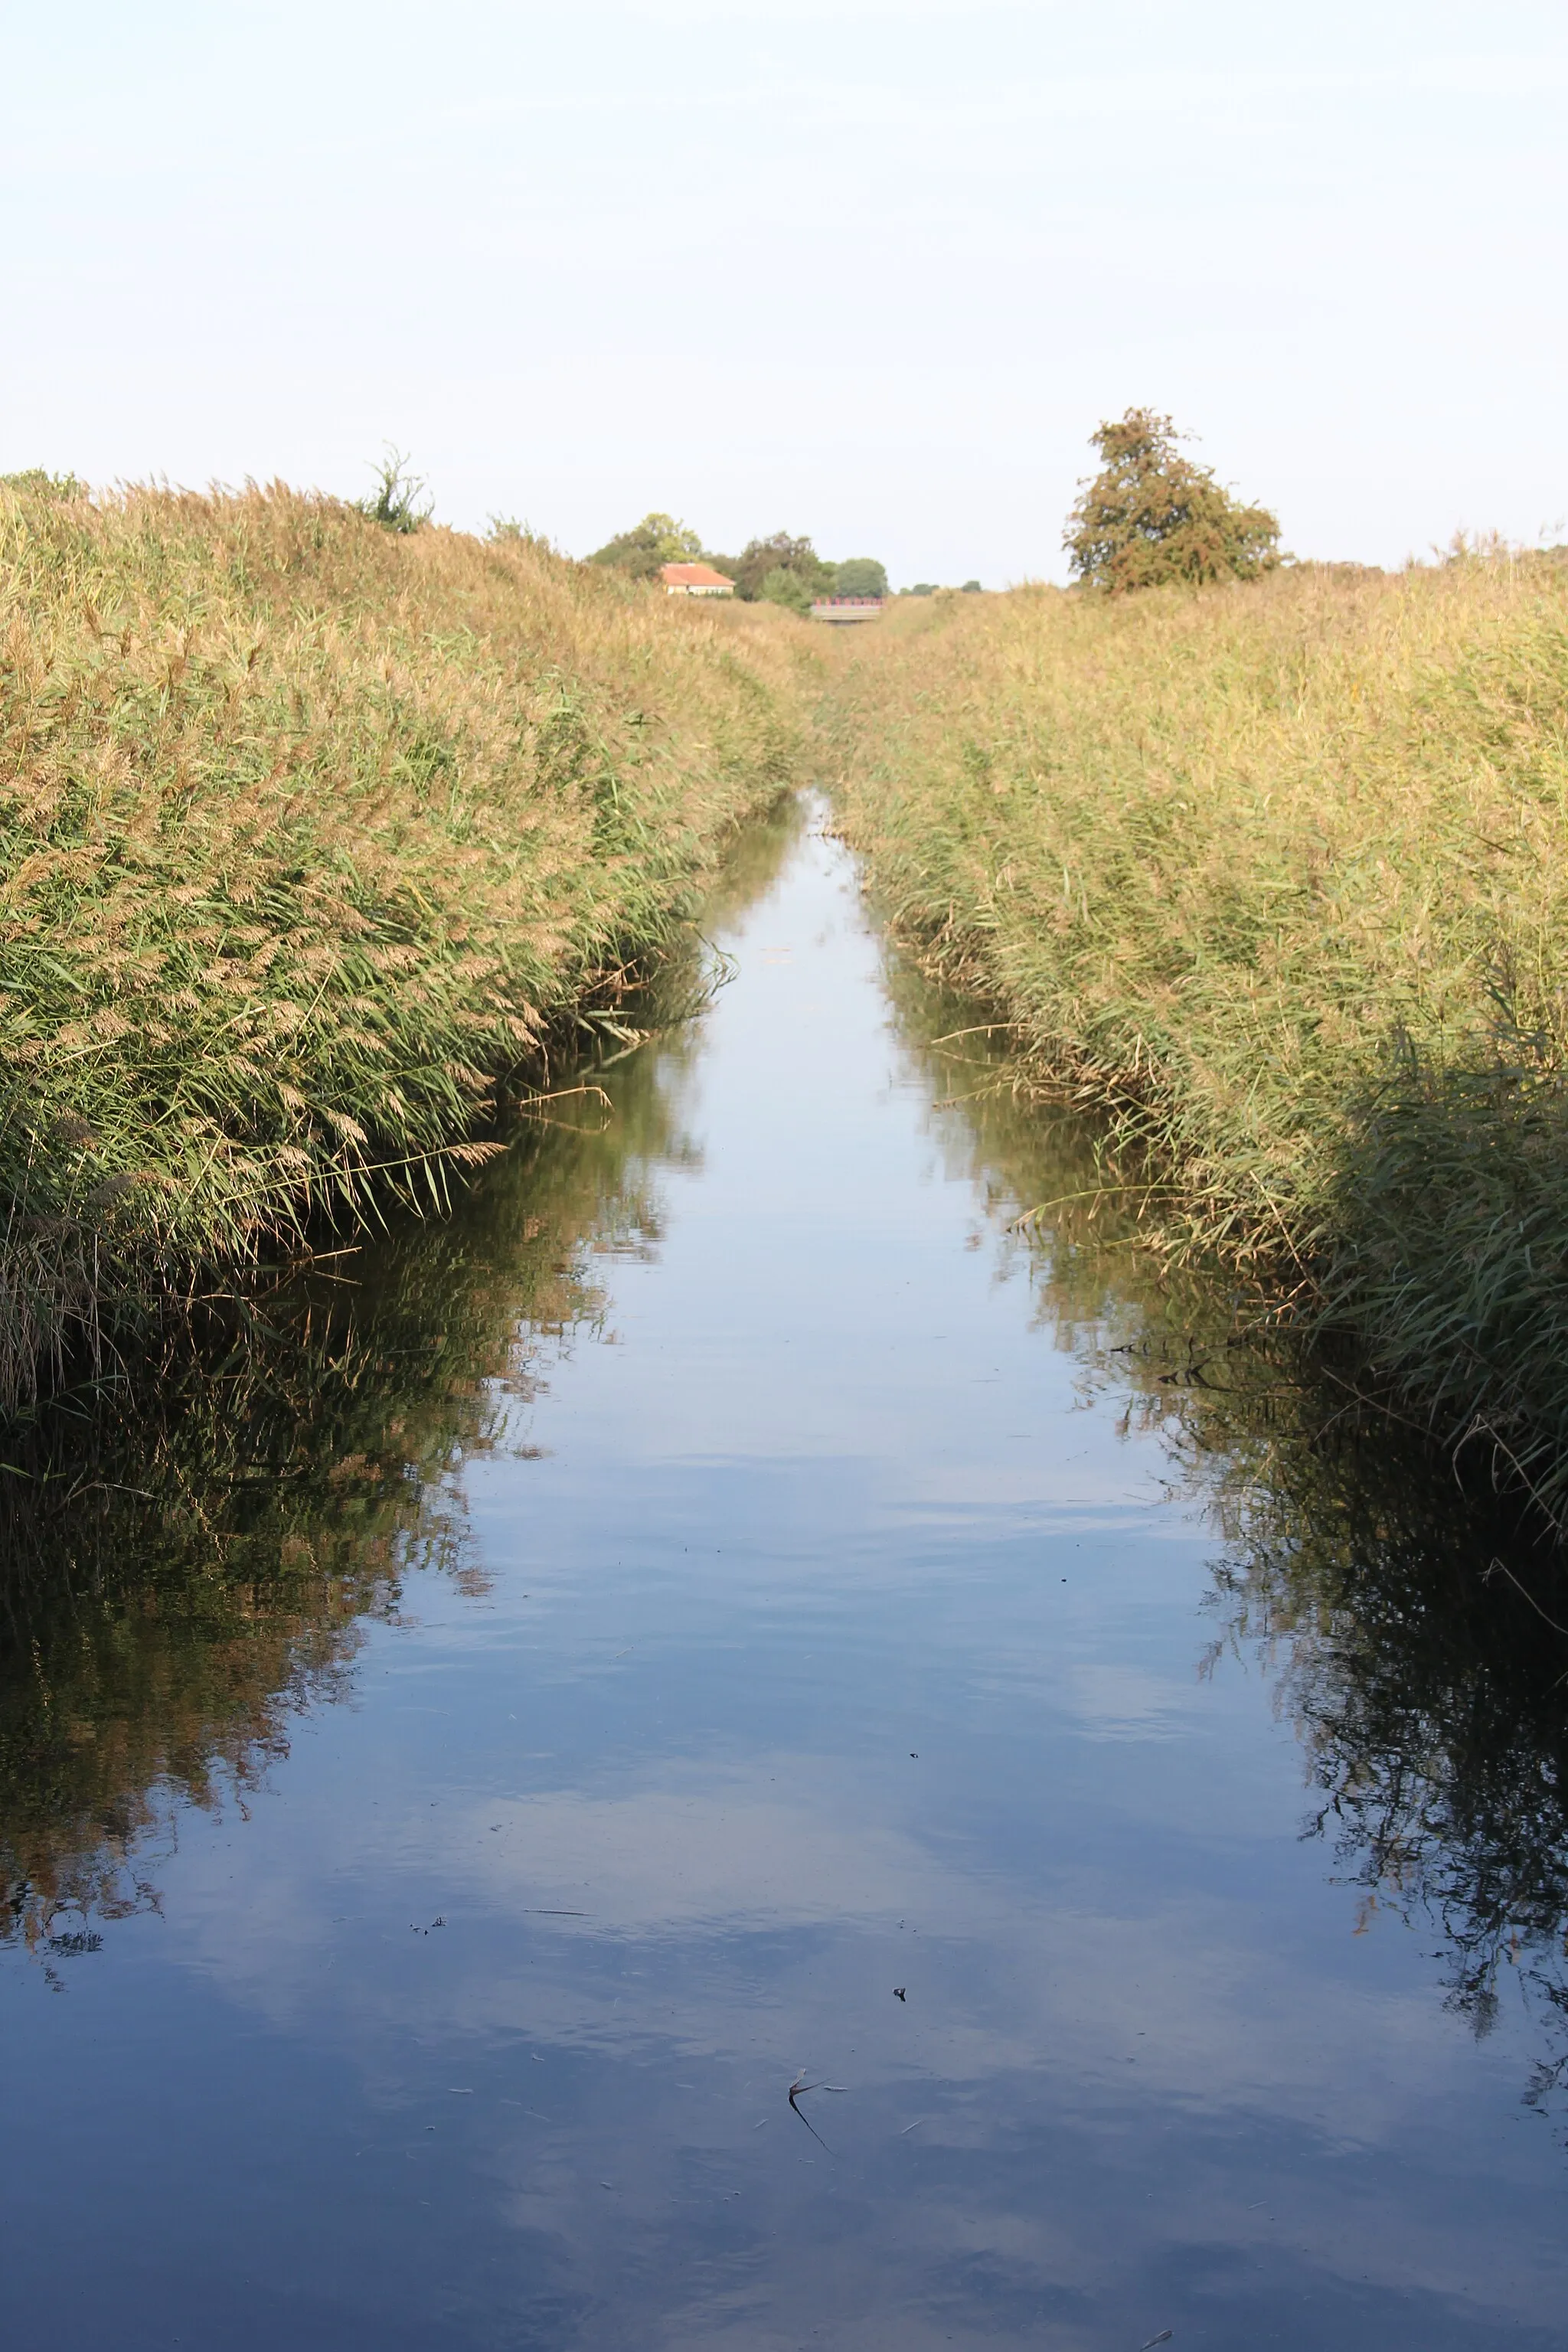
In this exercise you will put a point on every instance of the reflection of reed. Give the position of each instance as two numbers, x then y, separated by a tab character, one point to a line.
181	1579
191	1557
1402	1602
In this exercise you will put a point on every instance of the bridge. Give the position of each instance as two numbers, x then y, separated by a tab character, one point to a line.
847	608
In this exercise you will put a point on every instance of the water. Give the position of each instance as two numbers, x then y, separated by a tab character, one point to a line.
725	1613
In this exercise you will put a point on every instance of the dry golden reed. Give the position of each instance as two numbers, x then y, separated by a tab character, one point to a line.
1276	874
310	833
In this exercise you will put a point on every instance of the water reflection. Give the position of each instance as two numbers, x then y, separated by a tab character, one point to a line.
1414	1617
191	1555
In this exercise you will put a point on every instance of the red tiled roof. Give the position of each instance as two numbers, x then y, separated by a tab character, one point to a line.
693	575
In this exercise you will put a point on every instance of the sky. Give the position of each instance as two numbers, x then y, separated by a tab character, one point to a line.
868	269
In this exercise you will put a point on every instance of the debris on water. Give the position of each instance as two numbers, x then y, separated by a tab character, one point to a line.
901	1992
914	1755
1163	2338
457	2093
799	2086
910	2128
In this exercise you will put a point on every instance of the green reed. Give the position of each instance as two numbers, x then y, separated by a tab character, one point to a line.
316	842
1277	877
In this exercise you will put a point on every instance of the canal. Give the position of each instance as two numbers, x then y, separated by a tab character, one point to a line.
733	1750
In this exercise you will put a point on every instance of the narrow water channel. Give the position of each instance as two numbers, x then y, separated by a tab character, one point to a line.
729	1613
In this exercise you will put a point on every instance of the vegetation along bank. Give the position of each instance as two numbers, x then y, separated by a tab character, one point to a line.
323	831
1274	871
313	833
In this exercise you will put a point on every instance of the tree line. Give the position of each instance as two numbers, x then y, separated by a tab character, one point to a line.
779	570
1149	518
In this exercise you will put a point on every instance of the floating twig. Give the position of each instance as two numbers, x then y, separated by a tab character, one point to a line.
795	2089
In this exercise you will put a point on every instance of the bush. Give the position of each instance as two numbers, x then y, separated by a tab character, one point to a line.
1151	516
395	502
37	482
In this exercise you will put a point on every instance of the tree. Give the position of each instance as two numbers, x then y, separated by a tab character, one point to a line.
782	586
779	553
648	546
1151	516
861	576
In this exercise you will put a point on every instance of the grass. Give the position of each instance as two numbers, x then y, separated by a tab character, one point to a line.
316	841
1277	877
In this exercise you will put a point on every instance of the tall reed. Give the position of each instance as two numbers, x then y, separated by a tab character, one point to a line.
1277	875
311	834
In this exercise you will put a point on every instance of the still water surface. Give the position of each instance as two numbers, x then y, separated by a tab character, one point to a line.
726	1613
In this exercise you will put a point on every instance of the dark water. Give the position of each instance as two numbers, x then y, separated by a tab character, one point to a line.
725	1613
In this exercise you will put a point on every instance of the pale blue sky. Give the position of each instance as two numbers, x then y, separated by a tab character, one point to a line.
863	269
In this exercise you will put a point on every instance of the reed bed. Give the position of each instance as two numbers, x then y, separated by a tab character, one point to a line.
315	841
1276	876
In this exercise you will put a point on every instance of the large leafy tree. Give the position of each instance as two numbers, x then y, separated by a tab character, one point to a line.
782	586
1151	516
796	557
650	544
860	575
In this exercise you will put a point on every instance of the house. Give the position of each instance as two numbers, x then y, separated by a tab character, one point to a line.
694	580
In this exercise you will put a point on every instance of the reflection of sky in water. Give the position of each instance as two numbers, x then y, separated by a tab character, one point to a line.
821	1498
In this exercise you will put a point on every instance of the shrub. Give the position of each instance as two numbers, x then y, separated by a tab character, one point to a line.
37	482
394	503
